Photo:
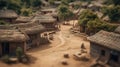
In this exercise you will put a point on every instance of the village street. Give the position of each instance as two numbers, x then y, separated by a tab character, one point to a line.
51	55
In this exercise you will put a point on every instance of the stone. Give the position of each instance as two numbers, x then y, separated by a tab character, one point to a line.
64	62
66	55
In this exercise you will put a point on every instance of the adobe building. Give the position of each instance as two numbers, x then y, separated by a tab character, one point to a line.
10	40
105	46
47	21
33	31
48	10
8	16
24	35
23	19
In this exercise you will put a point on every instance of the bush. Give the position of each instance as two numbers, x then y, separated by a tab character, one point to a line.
26	11
5	59
19	53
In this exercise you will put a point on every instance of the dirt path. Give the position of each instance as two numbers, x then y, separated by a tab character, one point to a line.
51	55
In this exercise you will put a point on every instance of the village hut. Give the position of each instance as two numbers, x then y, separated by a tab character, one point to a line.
8	15
57	3
105	46
44	3
48	10
33	30
84	5
47	21
23	19
10	40
72	4
95	6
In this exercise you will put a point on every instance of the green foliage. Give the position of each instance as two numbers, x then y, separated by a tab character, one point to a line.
5	59
97	25
36	3
114	13
51	1
86	16
26	12
64	12
115	2
76	6
92	23
65	2
17	5
19	52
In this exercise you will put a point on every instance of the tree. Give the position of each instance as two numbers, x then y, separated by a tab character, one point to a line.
90	23
86	16
64	13
114	13
37	3
51	1
116	2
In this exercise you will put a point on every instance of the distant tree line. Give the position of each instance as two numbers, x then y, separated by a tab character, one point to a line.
19	5
112	10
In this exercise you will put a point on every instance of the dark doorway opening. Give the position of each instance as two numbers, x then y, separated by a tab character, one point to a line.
103	52
5	48
114	57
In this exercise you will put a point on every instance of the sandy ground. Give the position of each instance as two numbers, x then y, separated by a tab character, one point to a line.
51	55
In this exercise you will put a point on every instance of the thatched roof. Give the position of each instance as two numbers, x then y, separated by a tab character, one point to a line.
45	19
8	14
48	9
57	2
30	28
12	36
107	39
44	2
23	19
75	3
117	30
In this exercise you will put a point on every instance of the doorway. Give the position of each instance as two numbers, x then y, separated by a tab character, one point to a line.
5	48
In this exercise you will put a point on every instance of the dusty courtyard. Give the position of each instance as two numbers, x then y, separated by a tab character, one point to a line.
51	55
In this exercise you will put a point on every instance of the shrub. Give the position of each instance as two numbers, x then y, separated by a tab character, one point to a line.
5	59
19	53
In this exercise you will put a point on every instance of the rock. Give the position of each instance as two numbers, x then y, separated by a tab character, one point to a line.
64	62
66	55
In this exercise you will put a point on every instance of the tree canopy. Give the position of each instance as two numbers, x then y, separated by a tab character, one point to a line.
92	24
17	5
64	13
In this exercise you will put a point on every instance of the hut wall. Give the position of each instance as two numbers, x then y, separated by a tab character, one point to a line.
49	26
35	38
95	52
9	20
14	45
44	40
